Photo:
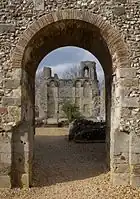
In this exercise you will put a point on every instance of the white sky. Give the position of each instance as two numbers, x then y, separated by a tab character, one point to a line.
62	58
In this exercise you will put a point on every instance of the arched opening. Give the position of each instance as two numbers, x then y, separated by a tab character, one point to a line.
86	72
68	84
95	36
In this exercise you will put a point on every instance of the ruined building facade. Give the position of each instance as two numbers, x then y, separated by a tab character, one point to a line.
82	91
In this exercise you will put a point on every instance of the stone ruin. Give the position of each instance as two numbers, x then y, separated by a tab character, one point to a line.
82	90
29	30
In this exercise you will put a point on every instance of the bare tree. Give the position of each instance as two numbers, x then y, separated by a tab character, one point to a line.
72	72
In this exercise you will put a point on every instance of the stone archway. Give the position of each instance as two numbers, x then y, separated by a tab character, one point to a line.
89	31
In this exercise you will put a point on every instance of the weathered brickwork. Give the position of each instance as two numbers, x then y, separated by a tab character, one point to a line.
29	29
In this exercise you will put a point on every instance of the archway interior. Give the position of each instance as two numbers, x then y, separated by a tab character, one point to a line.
59	34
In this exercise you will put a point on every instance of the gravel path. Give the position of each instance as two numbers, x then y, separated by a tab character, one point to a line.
65	170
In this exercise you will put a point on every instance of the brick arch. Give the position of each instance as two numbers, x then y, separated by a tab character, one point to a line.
117	50
111	35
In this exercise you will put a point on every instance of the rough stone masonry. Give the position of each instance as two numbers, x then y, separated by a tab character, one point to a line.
29	29
82	90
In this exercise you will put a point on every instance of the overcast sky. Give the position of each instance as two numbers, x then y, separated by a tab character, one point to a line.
62	58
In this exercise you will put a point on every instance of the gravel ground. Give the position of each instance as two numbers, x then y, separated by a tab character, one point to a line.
65	170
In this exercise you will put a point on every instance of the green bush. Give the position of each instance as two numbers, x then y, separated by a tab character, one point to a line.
71	111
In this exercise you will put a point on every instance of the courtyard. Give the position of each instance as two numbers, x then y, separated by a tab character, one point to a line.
66	170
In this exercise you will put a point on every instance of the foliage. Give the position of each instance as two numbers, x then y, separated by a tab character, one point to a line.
71	111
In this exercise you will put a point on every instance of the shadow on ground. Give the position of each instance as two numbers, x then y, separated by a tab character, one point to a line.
56	160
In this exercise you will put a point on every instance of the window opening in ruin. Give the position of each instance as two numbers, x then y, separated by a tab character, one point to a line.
86	72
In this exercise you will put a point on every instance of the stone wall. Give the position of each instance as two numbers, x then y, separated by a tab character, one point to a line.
21	23
102	100
82	90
